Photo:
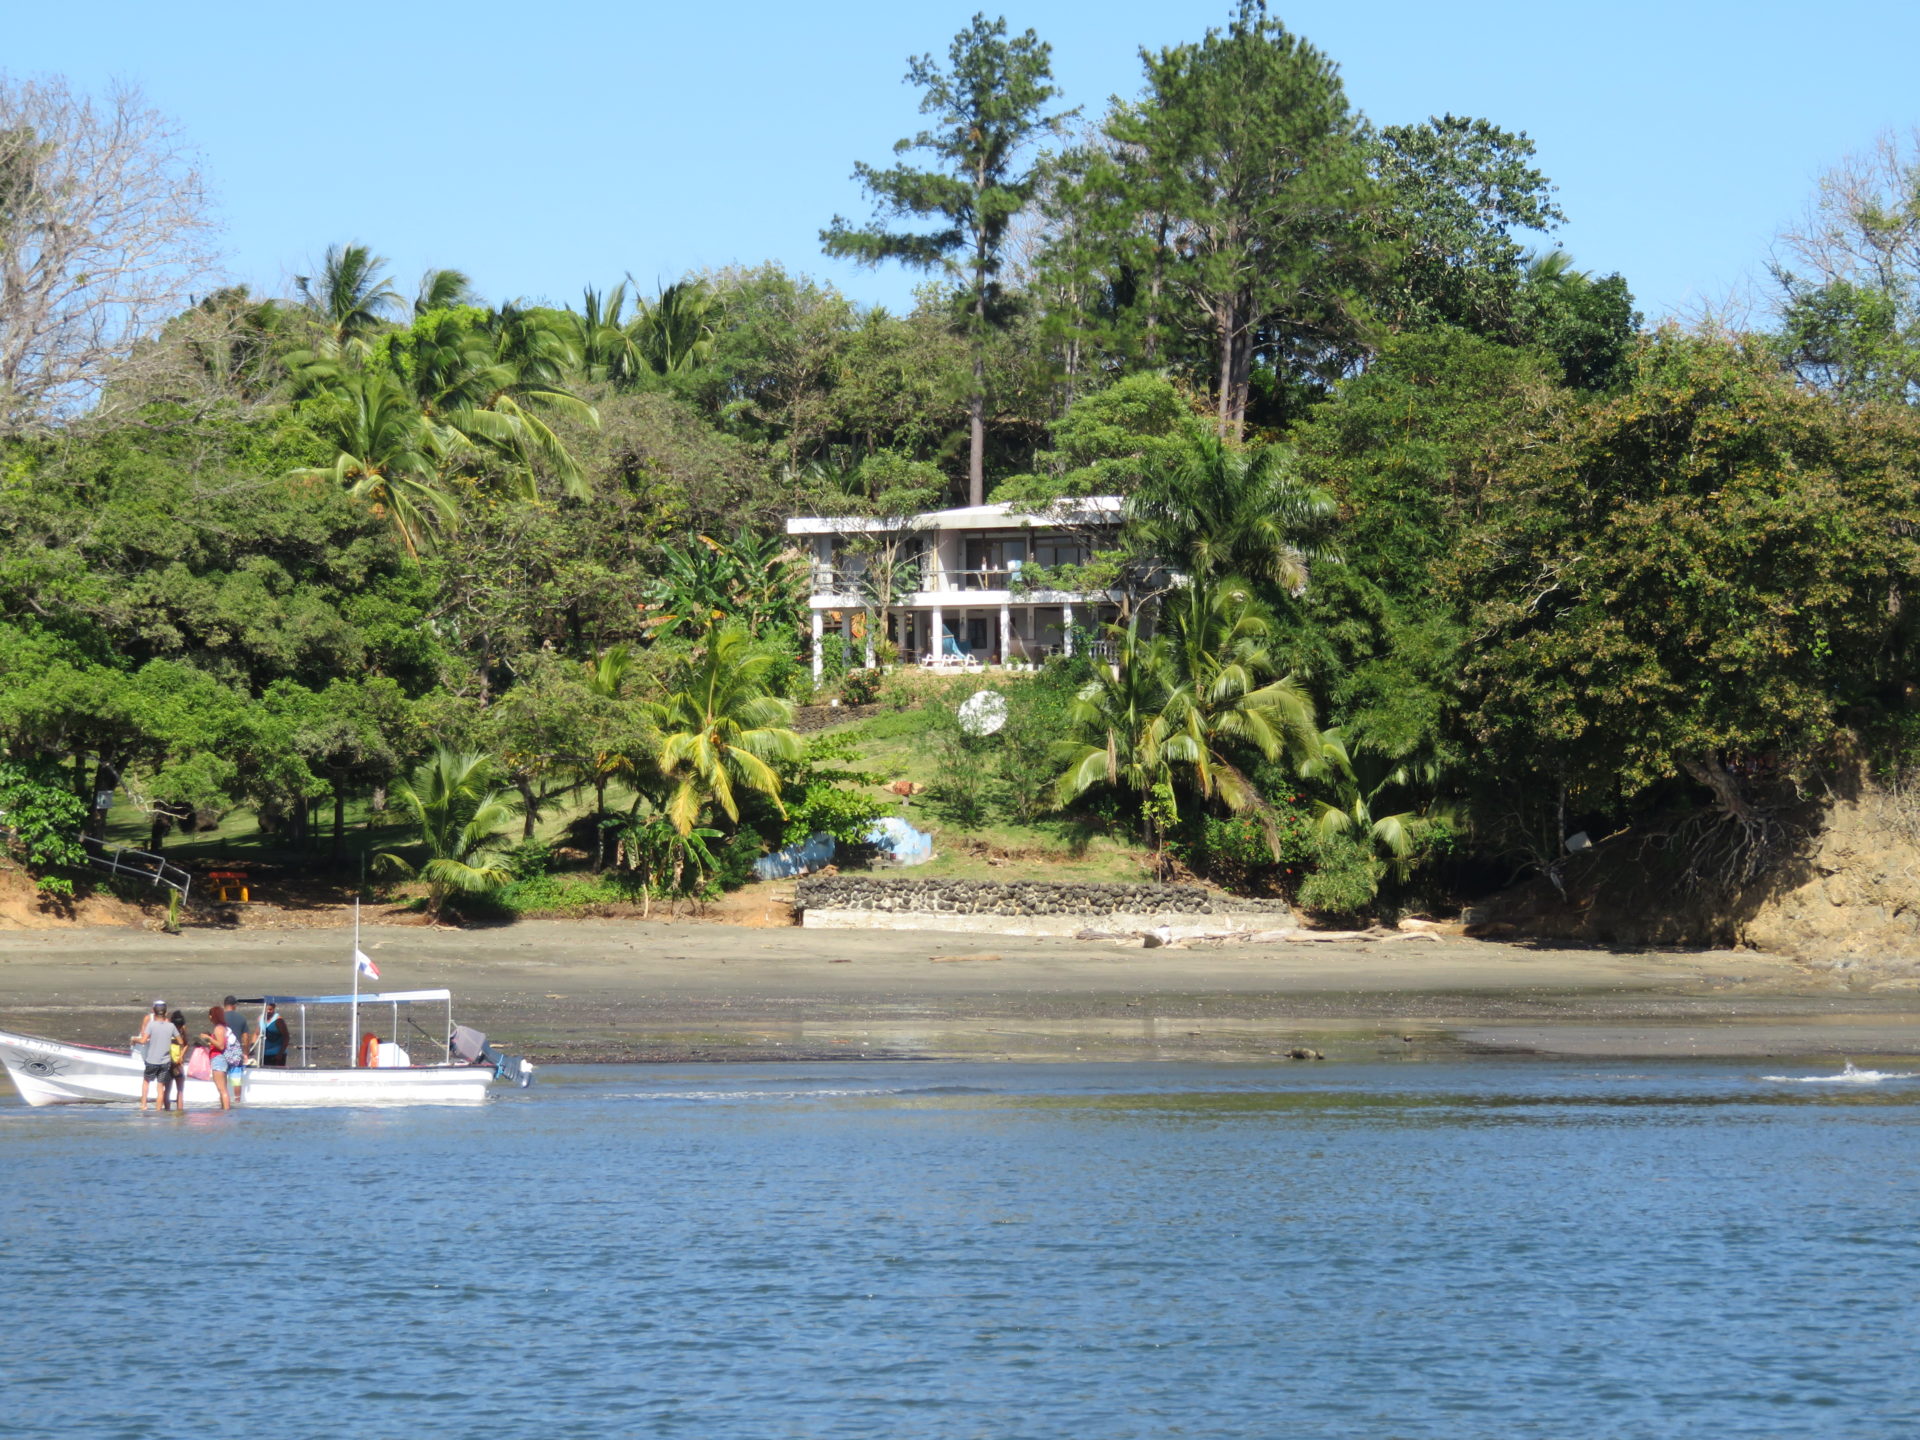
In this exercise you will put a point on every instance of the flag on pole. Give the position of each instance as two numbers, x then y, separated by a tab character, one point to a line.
364	965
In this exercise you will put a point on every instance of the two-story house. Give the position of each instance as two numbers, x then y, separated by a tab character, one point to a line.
957	587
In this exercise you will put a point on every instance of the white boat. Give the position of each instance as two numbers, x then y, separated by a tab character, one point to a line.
56	1072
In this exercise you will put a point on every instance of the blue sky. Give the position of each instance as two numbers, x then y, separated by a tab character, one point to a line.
541	147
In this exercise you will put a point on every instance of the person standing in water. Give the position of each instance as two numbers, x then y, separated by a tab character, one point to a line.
177	1071
155	1039
238	1053
221	1043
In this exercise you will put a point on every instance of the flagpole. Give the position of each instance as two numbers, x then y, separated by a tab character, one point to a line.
353	1024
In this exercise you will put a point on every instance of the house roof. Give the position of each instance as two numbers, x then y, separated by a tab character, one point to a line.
1092	509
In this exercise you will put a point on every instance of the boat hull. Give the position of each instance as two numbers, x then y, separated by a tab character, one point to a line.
53	1072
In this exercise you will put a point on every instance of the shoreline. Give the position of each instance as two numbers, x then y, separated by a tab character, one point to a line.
622	991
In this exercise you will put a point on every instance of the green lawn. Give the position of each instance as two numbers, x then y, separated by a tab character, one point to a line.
897	745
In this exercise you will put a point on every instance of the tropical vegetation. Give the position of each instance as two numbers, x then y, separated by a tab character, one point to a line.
1435	555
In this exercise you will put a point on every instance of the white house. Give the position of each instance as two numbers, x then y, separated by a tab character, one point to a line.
958	587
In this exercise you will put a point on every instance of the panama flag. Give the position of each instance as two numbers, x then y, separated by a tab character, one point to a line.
364	965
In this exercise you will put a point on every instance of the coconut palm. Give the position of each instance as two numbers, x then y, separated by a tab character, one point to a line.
604	338
1228	696
1229	509
1358	777
489	388
719	729
675	332
385	455
442	290
350	301
1187	702
460	815
1119	731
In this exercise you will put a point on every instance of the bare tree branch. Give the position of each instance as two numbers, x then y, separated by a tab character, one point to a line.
103	234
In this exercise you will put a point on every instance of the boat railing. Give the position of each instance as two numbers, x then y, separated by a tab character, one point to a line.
139	864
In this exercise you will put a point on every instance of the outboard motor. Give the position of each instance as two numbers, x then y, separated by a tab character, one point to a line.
471	1046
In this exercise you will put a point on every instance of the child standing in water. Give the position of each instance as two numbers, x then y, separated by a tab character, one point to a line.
177	1076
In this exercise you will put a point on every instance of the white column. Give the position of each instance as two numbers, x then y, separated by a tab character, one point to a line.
871	619
819	630
1006	634
1066	630
936	644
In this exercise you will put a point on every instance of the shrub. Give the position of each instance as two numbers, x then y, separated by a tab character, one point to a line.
1345	879
862	687
530	858
961	775
41	821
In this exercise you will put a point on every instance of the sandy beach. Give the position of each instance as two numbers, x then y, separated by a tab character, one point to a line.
573	991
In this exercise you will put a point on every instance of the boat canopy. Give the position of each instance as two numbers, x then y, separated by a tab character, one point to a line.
365	997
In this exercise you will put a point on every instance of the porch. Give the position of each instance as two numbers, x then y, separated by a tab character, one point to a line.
970	637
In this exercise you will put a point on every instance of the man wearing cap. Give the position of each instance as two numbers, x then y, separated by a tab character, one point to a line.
156	1050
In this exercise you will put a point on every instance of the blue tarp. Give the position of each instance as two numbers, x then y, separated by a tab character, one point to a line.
899	842
798	858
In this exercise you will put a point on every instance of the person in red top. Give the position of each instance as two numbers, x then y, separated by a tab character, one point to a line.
221	1043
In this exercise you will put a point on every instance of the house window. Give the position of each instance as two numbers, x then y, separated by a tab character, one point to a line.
1060	550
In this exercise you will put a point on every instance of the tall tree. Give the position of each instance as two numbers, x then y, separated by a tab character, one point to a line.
1249	171
350	301
720	730
1849	277
988	107
460	815
102	226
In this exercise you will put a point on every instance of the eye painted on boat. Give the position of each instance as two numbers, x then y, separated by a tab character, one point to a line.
43	1067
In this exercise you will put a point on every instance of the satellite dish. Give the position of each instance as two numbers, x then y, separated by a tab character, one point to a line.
983	712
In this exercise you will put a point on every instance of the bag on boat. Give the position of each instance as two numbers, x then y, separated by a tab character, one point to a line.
199	1064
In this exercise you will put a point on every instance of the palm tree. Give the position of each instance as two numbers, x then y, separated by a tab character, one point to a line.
720	728
442	290
488	389
604	338
1358	776
1229	696
1234	510
1120	733
1187	701
675	333
459	814
386	455
350	301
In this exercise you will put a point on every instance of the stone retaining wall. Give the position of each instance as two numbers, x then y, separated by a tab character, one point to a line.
1023	907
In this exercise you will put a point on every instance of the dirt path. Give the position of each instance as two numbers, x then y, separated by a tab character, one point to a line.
629	990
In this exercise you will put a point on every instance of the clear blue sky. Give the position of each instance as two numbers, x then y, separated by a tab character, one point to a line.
540	147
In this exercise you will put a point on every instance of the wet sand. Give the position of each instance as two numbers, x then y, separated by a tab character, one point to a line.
604	990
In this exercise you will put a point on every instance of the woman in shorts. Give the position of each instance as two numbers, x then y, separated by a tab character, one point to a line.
219	1043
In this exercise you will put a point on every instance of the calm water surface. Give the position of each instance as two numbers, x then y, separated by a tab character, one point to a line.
1097	1252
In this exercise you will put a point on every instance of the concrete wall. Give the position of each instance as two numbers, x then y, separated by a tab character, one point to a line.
1024	907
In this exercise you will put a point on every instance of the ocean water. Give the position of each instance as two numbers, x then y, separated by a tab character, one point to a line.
880	1250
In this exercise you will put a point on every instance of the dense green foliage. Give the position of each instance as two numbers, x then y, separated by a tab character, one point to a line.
1431	554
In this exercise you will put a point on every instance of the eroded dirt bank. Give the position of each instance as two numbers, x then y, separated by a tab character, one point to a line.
617	990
